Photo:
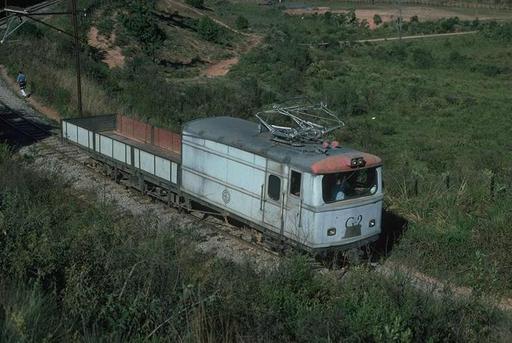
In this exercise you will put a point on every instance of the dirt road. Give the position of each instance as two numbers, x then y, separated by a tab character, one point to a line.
390	13
435	35
222	67
113	55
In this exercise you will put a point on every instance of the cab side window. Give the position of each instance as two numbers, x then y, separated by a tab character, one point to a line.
295	180
274	187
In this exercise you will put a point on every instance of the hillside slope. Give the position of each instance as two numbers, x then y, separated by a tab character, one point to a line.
436	110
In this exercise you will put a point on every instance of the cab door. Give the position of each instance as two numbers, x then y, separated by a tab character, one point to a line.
293	214
274	200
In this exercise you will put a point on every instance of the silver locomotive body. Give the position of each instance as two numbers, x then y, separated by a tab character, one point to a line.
285	189
313	196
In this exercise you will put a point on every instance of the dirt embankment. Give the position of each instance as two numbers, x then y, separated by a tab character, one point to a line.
113	55
222	67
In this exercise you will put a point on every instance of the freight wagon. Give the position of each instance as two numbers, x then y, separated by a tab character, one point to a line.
315	196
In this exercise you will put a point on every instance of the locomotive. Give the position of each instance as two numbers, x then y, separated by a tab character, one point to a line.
287	182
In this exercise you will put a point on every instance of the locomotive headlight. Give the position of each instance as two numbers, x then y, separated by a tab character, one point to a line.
372	223
357	162
331	231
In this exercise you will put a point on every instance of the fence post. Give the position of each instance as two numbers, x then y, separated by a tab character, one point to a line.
416	186
447	181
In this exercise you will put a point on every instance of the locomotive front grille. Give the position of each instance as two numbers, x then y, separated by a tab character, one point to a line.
353	232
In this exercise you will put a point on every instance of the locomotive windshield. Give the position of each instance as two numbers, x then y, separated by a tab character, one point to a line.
349	185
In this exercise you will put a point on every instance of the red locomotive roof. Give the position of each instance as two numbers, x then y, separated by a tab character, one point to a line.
342	163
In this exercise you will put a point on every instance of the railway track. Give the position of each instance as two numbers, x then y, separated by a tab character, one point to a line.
31	130
49	144
22	125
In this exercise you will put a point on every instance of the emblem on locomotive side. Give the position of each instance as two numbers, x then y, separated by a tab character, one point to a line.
226	196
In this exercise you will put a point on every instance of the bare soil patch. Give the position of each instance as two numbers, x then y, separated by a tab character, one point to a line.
223	67
390	14
220	68
113	54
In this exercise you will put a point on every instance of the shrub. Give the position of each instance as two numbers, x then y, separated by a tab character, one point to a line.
501	31
289	81
241	23
295	56
28	314
75	273
208	29
456	58
351	16
105	25
448	24
489	70
475	24
377	20
141	24
195	3
394	52
31	29
422	58
5	152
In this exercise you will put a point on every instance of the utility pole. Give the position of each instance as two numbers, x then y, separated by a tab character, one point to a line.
30	13
74	18
399	20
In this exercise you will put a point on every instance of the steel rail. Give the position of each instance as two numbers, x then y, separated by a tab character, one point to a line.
246	235
15	118
211	219
38	134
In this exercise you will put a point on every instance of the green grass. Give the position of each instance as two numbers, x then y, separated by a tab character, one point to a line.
441	107
68	272
463	7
